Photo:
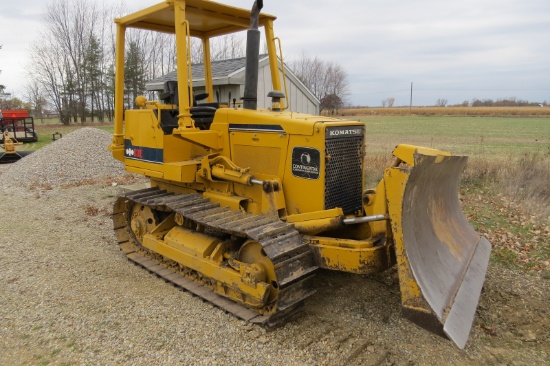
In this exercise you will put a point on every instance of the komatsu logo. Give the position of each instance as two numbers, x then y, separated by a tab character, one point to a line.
355	131
338	132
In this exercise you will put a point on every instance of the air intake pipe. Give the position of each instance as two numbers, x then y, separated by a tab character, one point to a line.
250	98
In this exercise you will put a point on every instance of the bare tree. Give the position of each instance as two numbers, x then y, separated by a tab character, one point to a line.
441	102
228	47
74	57
388	102
221	48
331	103
322	78
310	71
59	57
36	96
49	71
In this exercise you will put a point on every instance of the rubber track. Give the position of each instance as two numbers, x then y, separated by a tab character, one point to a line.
292	258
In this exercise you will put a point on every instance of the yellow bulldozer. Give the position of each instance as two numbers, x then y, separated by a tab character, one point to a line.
246	204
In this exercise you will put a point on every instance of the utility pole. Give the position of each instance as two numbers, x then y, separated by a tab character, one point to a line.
411	102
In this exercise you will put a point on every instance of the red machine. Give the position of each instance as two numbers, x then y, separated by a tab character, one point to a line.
18	124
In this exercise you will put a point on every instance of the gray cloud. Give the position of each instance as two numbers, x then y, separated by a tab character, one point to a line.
457	50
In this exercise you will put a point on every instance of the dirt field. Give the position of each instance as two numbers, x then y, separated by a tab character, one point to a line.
70	297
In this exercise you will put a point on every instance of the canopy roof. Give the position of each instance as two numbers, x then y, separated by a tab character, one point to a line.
206	18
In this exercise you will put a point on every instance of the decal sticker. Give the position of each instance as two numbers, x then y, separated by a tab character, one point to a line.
142	153
344	131
306	162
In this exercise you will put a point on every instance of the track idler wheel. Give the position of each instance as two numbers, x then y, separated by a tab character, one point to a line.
142	221
251	252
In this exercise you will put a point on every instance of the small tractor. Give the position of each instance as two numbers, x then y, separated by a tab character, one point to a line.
10	154
246	204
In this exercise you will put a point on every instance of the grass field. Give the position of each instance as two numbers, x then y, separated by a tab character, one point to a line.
496	142
461	135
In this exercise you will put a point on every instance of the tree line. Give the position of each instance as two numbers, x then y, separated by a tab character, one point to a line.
72	63
505	102
327	80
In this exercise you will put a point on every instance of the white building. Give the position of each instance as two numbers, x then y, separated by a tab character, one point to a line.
228	77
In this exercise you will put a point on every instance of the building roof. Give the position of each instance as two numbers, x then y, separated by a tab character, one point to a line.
221	70
227	72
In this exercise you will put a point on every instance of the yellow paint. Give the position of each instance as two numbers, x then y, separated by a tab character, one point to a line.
395	181
190	242
226	200
355	256
192	250
313	223
407	153
9	143
378	205
316	215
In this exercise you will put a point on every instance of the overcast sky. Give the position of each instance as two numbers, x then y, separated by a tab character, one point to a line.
456	50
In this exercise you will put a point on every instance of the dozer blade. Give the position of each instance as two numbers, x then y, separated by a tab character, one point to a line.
7	158
441	259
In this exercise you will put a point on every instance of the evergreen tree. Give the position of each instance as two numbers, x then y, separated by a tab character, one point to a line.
134	74
93	71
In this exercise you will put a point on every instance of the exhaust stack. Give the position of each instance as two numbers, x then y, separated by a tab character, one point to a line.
250	98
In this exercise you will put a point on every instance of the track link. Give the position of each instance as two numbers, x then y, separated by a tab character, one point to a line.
284	246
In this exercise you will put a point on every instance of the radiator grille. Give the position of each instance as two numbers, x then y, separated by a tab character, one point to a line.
343	176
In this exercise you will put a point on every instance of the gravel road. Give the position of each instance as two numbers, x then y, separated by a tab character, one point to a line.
70	297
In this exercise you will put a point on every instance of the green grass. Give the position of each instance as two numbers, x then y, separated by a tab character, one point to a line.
471	136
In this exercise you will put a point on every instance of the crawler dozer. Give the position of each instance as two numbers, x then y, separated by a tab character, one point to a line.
245	204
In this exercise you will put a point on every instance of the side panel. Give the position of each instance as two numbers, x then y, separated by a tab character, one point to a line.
324	171
263	153
143	143
304	177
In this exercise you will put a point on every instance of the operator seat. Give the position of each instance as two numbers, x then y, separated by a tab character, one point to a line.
169	117
203	114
